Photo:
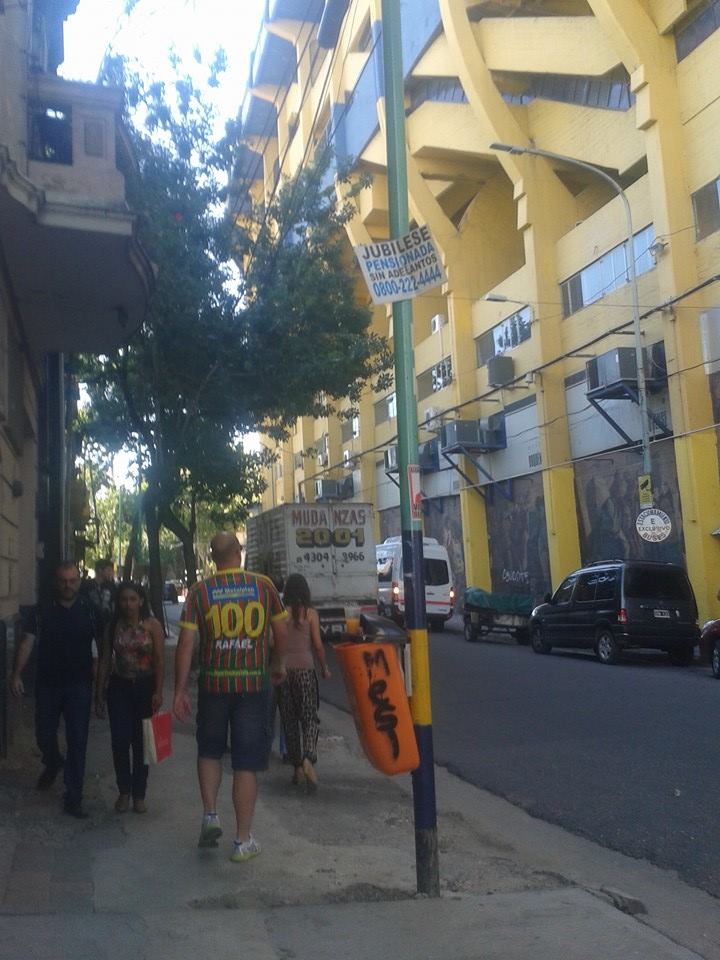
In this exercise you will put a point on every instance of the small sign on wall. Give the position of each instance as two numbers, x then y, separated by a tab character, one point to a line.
645	490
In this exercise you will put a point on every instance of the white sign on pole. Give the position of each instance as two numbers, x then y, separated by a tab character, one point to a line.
401	269
653	525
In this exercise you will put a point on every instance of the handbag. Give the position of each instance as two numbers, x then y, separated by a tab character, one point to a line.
157	737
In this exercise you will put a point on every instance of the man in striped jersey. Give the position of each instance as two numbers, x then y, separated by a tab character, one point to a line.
240	622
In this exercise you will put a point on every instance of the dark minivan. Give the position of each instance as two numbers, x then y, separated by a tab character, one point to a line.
614	605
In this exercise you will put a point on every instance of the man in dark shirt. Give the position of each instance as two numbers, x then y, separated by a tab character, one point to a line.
65	628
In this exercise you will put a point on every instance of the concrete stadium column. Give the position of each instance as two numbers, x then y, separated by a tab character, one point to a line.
650	60
545	212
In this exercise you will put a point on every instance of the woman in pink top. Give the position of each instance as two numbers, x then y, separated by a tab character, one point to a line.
133	657
298	695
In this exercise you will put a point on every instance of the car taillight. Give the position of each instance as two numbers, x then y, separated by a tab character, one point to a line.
396	590
452	593
622	615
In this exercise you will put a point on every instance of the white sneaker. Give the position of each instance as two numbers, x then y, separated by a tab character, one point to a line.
245	850
210	831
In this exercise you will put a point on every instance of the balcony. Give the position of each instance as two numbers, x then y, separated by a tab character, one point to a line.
80	278
305	11
273	61
259	118
421	22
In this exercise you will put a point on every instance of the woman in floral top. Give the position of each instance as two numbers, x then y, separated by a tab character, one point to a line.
133	656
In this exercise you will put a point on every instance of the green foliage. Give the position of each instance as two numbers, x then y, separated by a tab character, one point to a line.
218	354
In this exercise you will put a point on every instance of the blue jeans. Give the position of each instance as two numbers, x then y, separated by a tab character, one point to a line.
70	700
129	702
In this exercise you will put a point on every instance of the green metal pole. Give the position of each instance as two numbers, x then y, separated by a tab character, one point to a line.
426	847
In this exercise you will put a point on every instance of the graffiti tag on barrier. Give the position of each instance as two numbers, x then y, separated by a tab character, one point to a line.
384	711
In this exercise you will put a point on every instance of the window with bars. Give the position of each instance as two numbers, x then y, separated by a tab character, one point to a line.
607	273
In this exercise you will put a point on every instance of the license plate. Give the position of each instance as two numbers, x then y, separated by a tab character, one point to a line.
662	614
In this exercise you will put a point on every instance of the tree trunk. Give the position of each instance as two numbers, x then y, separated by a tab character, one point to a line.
152	526
176	526
132	546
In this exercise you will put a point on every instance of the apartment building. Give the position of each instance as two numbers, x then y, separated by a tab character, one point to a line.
72	278
526	382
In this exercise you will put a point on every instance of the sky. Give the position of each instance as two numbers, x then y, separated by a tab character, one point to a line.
156	25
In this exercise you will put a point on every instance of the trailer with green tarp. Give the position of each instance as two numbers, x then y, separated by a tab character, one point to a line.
486	613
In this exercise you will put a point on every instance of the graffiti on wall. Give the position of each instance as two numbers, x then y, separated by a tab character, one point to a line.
519	561
608	505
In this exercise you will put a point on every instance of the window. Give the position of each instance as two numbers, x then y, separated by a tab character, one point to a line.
644	583
607	273
564	591
355	427
691	34
605	589
604	93
436	572
346	431
585	589
51	133
706	208
434	379
385	409
364	37
507	334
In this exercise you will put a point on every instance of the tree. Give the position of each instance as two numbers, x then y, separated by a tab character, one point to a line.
217	355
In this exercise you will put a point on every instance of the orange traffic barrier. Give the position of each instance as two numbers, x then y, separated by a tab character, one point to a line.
376	691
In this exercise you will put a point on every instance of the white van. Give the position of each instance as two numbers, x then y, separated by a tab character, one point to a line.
439	591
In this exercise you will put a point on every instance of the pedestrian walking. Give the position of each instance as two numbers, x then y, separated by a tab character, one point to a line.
298	696
101	590
65	628
234	614
133	657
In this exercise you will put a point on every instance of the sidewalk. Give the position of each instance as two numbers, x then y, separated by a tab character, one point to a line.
335	880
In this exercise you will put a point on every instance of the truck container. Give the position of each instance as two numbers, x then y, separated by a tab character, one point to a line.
331	544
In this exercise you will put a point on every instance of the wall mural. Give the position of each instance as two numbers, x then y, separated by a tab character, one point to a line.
607	502
519	561
444	522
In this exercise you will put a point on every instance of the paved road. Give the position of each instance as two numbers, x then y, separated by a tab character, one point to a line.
627	756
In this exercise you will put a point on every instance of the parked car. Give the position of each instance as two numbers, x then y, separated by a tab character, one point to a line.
710	645
615	605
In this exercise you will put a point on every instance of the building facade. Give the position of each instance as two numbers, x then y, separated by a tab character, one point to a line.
72	278
527	392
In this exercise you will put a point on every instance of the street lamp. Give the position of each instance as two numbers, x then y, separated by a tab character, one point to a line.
501	298
632	273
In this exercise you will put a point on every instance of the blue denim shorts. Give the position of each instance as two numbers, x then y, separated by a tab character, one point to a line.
245	715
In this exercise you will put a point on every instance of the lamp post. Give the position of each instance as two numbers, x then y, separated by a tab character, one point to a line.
632	275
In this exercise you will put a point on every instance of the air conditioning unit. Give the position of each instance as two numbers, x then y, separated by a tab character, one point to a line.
322	459
491	432
346	488
609	373
439	320
459	433
347	459
500	370
391	460
326	490
431	417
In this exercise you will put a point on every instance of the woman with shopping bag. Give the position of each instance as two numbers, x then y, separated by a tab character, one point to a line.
133	659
